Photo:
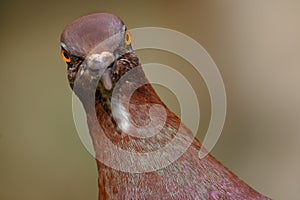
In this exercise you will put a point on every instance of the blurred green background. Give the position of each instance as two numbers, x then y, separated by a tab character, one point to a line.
255	44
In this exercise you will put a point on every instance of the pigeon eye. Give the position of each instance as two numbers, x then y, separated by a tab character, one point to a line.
127	38
65	56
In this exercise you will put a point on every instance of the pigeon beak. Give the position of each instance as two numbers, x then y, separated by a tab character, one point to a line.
99	64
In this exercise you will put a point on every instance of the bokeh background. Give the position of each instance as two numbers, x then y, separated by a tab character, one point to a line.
255	44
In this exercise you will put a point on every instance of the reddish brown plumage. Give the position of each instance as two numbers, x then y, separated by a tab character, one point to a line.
187	178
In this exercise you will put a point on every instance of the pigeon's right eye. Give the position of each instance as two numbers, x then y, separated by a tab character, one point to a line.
65	56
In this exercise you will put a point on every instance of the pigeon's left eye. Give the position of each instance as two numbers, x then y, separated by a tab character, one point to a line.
127	38
65	56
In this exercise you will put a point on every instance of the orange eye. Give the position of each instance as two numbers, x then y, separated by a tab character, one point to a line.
127	38
65	55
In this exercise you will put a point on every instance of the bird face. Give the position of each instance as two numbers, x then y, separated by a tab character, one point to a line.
95	43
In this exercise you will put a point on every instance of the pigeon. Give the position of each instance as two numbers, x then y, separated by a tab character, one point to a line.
142	149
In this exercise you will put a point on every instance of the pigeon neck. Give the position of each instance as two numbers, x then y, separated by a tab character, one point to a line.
132	119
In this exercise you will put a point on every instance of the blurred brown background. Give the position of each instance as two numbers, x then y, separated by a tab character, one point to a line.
255	44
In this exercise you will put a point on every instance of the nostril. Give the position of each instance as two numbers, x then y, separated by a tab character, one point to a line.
100	61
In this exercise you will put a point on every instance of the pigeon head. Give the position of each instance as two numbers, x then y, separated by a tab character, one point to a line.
96	43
